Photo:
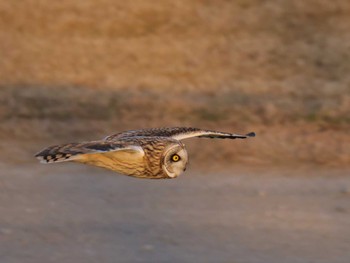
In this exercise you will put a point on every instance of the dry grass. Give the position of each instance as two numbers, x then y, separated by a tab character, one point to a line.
286	134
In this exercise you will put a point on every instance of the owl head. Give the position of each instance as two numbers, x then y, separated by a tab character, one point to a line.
174	160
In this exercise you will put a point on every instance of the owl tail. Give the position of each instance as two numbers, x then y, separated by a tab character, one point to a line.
60	153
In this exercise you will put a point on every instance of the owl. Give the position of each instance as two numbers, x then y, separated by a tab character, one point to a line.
156	153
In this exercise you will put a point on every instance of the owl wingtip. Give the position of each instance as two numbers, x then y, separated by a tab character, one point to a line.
54	158
251	134
41	159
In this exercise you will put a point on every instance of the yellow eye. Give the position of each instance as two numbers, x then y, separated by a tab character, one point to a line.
175	158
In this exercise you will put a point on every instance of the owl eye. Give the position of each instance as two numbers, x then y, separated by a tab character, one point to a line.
175	158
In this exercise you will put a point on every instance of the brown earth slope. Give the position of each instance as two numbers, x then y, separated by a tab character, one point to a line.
81	69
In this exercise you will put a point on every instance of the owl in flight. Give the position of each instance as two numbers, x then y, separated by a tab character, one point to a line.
156	153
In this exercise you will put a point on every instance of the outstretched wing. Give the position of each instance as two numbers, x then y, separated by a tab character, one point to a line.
77	151
211	134
178	133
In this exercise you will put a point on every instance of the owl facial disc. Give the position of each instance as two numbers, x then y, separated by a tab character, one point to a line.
175	160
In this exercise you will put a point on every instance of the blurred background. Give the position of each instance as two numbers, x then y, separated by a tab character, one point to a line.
81	70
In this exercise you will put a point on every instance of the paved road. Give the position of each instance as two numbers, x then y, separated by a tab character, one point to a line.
75	213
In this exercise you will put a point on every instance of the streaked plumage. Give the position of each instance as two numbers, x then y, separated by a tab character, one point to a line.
149	153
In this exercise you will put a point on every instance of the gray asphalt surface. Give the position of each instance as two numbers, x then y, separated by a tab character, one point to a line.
75	213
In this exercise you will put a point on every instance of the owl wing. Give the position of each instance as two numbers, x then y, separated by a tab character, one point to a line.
210	134
76	151
153	132
178	133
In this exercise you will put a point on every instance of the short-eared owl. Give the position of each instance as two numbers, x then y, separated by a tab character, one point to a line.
150	153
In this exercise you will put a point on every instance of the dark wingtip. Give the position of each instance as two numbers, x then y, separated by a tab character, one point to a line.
39	154
251	134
